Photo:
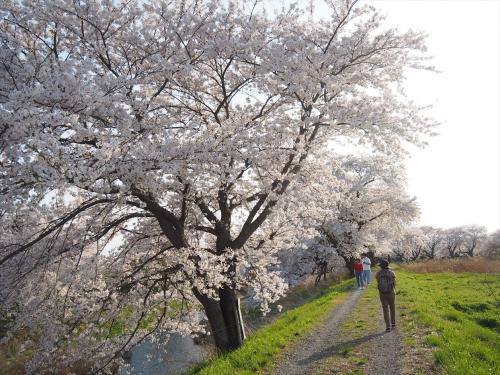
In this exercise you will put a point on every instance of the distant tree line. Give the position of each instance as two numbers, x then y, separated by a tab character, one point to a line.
427	243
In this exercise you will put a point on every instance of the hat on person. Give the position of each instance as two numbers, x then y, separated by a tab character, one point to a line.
384	264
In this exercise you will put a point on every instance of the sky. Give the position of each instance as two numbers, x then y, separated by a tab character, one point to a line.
456	178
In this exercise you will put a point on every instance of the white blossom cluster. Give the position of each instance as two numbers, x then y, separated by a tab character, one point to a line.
427	242
370	211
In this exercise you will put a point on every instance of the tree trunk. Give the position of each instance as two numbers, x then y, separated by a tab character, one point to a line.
323	268
371	255
224	314
224	318
349	262
215	320
230	310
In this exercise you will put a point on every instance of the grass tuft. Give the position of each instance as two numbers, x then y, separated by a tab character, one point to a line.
473	307
488	323
345	351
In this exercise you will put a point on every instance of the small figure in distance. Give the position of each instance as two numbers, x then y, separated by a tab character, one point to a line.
358	272
366	269
386	282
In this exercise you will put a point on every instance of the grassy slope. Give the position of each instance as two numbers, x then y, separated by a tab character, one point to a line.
461	311
260	352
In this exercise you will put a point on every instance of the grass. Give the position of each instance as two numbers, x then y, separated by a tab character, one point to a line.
458	313
448	321
295	297
476	264
261	351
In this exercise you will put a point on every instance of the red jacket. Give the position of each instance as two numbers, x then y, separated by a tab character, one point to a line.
358	267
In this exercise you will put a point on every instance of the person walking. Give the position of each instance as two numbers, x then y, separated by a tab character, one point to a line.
358	272
386	283
366	269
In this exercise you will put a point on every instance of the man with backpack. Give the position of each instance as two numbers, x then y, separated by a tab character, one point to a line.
386	282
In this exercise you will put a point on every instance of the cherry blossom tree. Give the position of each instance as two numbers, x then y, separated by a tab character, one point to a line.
465	240
399	249
315	257
474	237
409	246
417	245
154	156
454	240
492	245
433	240
373	209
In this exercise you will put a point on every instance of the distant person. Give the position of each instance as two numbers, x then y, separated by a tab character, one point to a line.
386	282
358	272
366	269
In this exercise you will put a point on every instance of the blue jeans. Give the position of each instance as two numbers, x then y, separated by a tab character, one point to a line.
359	278
367	275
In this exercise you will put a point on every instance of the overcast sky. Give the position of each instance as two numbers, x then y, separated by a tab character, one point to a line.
456	179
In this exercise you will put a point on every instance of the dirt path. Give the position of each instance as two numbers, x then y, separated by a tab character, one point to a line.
319	343
384	351
352	340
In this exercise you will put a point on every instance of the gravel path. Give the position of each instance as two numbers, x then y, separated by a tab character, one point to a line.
305	355
385	351
384	348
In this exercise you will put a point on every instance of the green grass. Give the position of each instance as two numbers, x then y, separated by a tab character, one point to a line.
461	311
262	349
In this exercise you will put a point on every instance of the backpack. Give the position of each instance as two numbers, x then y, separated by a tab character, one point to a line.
386	282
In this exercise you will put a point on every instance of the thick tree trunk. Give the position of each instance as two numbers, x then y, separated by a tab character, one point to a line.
224	318
224	314
232	318
215	320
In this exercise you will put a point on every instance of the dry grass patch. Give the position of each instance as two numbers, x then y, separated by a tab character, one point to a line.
476	265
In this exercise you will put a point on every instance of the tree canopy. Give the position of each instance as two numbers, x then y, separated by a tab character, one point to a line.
155	156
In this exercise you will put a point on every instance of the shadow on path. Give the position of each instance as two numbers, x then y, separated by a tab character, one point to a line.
335	349
321	341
